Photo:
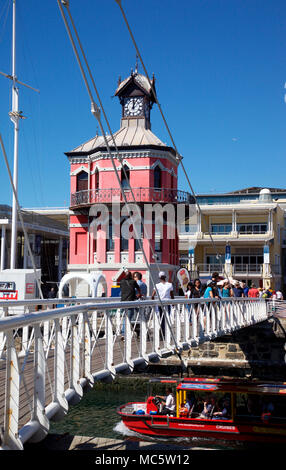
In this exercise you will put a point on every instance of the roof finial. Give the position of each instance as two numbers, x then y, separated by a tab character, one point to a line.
136	65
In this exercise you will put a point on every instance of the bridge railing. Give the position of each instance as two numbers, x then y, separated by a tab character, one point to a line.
48	357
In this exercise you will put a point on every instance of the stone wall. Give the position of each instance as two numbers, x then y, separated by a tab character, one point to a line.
258	351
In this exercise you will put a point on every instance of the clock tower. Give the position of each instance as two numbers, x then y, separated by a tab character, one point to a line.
145	164
136	97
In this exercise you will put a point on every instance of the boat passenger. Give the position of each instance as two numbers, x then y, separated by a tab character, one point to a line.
190	403
224	413
184	410
209	407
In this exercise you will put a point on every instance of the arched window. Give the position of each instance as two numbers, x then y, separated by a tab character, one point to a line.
96	179
125	177
124	241
82	181
157	178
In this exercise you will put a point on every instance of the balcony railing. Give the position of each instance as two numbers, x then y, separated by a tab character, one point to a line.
237	269
247	269
164	195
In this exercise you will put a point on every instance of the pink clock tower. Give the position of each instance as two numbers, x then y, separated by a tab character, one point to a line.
145	164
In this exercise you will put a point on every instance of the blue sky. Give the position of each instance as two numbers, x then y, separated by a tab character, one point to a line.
220	75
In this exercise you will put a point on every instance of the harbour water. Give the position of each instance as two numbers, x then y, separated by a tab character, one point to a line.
95	414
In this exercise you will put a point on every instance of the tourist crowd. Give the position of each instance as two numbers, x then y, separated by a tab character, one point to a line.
132	287
217	288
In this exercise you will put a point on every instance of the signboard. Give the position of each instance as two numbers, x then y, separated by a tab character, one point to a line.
7	285
9	295
227	254
266	257
30	288
184	278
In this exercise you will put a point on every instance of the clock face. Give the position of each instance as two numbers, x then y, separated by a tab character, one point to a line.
133	106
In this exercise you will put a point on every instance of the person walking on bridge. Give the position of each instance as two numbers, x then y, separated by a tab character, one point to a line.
166	291
129	292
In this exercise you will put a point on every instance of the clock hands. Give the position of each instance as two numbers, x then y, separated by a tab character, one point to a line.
133	106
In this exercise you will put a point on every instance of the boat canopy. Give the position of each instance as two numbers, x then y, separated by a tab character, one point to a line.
232	385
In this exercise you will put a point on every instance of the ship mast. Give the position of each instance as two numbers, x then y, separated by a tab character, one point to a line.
15	117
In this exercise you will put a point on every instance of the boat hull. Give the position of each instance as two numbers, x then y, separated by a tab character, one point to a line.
172	427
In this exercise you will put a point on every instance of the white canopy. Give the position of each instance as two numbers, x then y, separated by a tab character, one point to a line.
95	280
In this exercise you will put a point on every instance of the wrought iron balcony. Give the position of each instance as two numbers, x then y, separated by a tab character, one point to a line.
104	196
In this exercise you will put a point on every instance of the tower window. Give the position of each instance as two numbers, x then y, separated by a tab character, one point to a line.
125	177
82	181
157	178
96	179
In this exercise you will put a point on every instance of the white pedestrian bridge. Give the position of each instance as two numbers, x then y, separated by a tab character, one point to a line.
49	356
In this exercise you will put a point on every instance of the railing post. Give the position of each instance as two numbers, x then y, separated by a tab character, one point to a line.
75	363
187	323
59	380
109	343
156	330
128	339
208	311
87	332
39	398
214	319
168	326
143	331
2	335
177	324
11	439
195	312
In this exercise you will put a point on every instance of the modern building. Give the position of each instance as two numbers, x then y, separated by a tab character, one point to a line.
147	171
241	234
48	238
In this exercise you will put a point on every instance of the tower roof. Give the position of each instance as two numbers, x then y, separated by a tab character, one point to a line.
140	81
130	135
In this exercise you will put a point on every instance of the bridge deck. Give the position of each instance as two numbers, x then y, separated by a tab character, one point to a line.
27	378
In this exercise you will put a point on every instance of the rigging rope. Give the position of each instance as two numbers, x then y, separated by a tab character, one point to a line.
96	112
119	2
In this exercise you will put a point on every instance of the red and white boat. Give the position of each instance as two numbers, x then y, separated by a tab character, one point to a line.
238	410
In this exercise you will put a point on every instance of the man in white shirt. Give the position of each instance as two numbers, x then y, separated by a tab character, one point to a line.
169	407
166	291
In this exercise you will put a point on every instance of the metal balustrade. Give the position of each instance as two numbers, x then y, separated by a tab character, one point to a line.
49	357
104	196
